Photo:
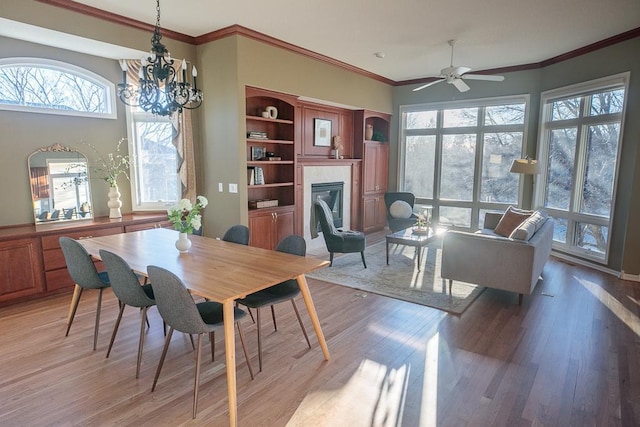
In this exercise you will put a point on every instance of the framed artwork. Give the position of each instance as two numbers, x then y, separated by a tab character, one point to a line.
257	153
322	134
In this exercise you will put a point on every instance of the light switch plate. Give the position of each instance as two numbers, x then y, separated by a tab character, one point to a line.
233	188
220	187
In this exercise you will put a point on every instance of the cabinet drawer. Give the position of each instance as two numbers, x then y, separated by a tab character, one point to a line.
51	242
58	279
147	226
53	259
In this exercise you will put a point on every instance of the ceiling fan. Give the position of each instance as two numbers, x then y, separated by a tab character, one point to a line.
456	75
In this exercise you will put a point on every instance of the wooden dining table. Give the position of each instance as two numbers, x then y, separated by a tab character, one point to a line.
217	270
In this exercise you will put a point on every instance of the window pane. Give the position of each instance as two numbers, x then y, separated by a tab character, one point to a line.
560	230
455	217
602	150
420	165
562	148
458	164
422	120
460	117
504	114
565	109
592	237
156	163
607	102
498	184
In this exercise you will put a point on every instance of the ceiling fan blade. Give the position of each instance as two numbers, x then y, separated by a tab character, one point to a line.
460	85
428	84
483	77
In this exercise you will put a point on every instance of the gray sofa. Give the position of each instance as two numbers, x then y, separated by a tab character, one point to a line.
487	259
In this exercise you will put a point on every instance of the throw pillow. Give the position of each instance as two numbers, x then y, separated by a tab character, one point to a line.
529	226
510	220
400	209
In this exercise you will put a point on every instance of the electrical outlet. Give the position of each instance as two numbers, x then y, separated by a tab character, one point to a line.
233	188
220	187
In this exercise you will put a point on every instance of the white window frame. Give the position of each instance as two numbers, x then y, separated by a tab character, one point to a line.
63	67
134	115
572	215
475	205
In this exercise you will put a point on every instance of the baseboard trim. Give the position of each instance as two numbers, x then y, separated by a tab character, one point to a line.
630	277
570	259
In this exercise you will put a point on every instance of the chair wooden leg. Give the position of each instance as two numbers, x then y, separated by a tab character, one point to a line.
95	331
244	349
330	259
273	316
212	338
520	298
363	261
141	341
304	331
193	346
259	341
196	382
75	299
164	354
115	328
450	286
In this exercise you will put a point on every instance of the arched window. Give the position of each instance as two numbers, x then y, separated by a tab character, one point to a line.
45	86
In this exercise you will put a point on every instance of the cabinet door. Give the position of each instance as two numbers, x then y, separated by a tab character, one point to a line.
284	226
20	269
382	167
370	164
261	229
369	209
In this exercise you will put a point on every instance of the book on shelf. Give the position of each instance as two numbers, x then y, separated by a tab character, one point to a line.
263	203
251	176
259	176
256	135
271	159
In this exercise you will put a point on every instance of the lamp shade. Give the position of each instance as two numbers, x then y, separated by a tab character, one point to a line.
525	166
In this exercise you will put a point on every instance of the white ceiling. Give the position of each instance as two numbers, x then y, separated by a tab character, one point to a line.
413	34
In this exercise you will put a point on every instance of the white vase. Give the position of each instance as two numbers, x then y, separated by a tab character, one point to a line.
114	203
183	244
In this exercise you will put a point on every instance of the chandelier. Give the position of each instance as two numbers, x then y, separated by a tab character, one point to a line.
158	91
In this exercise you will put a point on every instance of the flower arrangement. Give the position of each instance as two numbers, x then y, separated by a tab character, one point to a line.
185	216
114	165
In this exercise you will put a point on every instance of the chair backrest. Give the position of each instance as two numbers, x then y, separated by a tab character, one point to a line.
44	215
55	214
174	302
324	215
124	281
237	234
80	265
293	244
68	213
391	197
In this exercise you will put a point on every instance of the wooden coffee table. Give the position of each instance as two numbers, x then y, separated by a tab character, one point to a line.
408	237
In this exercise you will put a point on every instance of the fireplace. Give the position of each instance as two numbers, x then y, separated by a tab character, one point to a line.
332	194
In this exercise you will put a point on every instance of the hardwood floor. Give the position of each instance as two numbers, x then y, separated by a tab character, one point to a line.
570	355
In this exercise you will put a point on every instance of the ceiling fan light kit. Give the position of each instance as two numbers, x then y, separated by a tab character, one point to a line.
456	75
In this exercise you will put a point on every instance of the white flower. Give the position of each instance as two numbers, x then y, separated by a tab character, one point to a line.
196	222
203	201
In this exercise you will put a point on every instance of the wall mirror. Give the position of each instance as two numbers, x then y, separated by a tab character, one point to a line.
60	189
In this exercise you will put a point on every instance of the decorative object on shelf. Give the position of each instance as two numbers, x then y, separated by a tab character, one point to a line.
368	132
263	203
158	90
186	218
378	136
273	112
265	114
337	146
259	178
114	202
257	153
256	135
322	134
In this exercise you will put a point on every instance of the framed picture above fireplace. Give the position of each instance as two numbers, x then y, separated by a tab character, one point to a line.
322	132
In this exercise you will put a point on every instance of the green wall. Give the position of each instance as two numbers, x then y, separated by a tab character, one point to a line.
622	57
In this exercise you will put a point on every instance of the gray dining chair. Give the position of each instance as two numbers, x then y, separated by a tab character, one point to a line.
127	288
282	292
237	234
85	275
182	313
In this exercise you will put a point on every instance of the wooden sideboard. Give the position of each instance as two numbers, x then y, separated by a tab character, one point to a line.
32	264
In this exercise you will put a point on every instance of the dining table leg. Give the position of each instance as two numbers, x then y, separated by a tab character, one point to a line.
306	295
230	354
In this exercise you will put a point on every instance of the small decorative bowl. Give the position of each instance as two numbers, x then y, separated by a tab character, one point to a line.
420	229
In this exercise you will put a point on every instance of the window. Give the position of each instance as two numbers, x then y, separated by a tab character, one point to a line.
456	156
46	86
579	147
155	183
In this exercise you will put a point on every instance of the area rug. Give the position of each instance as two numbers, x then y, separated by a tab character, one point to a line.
401	278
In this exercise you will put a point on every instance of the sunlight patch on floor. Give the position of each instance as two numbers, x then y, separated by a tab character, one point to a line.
609	301
429	406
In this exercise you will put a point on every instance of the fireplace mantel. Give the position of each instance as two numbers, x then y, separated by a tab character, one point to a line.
315	161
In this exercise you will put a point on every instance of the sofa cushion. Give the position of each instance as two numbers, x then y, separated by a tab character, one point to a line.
400	209
510	220
529	226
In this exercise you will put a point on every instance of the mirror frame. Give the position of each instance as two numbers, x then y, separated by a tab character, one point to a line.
82	211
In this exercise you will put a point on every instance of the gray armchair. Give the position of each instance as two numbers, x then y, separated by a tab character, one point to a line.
396	224
341	241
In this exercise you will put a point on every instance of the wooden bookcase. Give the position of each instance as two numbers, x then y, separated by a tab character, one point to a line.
279	175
